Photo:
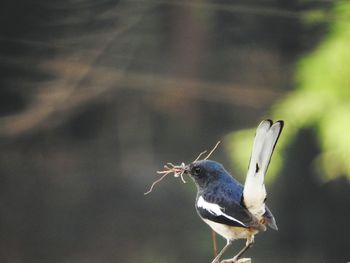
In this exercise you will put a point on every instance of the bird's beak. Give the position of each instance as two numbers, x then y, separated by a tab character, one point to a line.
187	169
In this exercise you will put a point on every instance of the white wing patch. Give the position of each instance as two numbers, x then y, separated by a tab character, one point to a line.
215	209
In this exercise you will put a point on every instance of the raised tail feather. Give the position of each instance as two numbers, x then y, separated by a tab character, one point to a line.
254	193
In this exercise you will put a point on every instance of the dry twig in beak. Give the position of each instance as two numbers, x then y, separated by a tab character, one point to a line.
178	170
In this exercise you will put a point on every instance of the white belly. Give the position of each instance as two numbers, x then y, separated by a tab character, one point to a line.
230	232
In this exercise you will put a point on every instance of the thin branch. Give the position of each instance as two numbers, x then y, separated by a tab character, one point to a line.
199	156
216	145
155	182
213	235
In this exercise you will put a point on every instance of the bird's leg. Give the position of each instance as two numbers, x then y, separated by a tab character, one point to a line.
240	253
235	259
216	259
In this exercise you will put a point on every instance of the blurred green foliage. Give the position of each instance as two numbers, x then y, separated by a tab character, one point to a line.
320	101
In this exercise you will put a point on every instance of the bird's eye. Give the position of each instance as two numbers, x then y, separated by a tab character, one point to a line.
196	170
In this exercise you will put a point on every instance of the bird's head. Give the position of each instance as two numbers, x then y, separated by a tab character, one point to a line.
204	172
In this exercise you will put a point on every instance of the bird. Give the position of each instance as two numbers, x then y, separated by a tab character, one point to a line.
233	210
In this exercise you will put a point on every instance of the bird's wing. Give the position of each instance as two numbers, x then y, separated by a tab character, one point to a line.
225	211
254	193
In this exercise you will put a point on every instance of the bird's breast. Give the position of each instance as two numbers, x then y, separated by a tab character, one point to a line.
231	232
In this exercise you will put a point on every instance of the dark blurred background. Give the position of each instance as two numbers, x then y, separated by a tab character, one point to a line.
95	96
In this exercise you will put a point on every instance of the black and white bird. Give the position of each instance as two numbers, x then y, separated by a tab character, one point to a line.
232	210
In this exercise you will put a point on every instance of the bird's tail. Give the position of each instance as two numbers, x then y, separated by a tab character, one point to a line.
254	193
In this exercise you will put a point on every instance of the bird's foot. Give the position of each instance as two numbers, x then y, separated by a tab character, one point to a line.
235	260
